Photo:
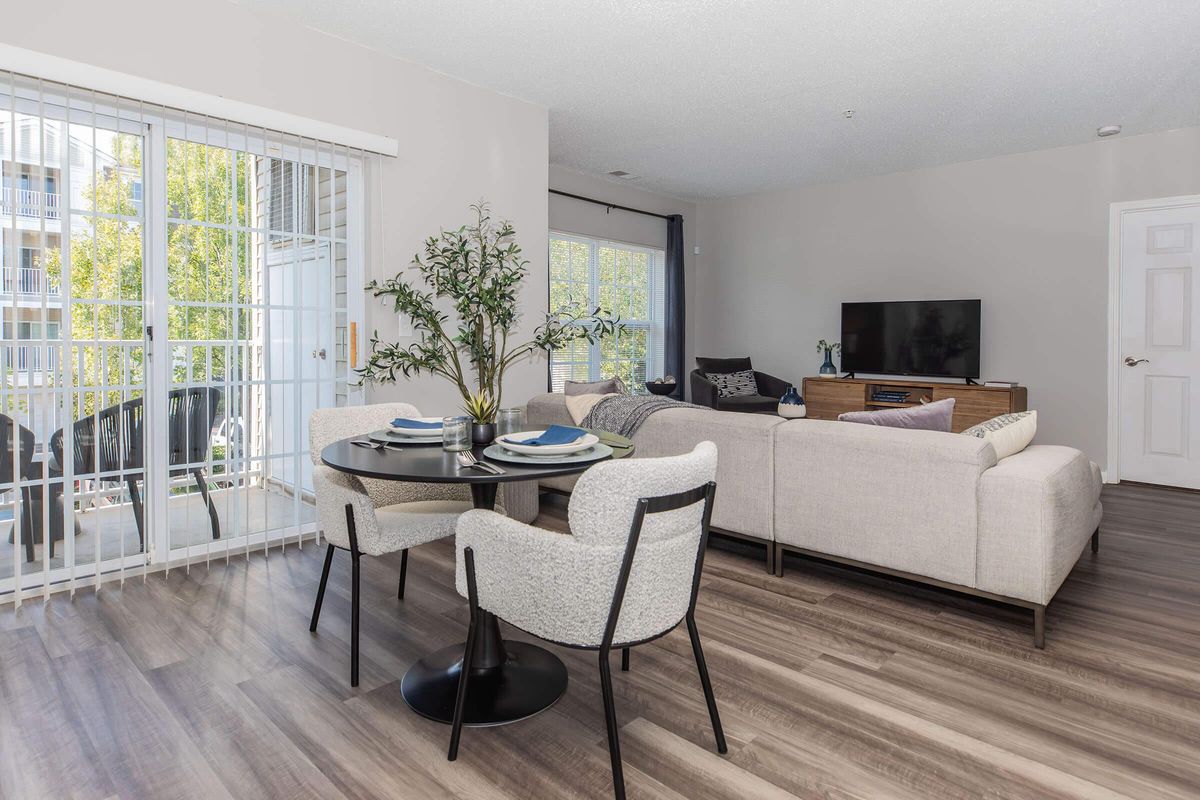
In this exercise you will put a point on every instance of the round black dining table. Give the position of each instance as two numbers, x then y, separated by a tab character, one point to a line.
510	680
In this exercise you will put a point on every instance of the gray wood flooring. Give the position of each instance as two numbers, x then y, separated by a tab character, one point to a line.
831	684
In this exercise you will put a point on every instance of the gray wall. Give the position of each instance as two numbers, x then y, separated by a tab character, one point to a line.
1026	233
458	142
575	216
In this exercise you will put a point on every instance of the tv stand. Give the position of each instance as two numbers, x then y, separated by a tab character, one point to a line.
849	376
970	381
973	403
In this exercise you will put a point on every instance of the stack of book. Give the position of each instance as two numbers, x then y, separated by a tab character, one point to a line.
889	396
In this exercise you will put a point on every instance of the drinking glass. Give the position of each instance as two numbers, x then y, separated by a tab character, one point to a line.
510	420
456	434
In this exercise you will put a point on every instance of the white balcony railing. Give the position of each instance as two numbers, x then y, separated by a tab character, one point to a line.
31	357
29	203
28	280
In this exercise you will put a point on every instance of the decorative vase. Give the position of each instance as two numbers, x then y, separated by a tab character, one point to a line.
483	432
828	370
791	405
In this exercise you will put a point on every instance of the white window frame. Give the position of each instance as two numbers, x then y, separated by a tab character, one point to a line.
655	325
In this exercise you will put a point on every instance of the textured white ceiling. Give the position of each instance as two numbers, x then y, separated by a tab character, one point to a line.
712	98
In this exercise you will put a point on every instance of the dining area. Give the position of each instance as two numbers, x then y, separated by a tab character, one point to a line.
625	572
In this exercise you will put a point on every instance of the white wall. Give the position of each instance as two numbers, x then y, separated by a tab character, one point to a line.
575	216
1026	233
458	143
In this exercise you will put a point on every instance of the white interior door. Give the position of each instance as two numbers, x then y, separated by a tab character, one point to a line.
1159	369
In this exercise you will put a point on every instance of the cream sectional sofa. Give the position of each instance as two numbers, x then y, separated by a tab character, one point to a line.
933	507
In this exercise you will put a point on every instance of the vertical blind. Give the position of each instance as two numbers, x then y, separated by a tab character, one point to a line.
177	296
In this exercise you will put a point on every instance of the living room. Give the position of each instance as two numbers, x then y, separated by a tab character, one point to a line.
599	399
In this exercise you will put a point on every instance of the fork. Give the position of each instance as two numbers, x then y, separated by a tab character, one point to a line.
374	445
467	459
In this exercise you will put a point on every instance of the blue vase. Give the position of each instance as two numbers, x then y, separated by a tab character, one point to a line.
828	370
791	405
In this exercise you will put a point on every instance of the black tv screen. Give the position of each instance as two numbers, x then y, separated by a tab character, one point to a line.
921	337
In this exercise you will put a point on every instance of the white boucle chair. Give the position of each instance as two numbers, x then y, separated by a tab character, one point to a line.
373	517
628	572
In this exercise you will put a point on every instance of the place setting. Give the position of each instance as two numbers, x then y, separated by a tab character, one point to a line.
557	444
403	431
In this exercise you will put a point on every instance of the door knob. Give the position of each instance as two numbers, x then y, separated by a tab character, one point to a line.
319	354
1130	361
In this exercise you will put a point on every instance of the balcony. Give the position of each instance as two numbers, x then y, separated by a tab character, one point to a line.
29	203
28	280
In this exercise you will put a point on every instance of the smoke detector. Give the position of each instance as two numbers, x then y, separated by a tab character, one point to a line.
1108	130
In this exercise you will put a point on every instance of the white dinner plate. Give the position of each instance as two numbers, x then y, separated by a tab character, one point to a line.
419	433
510	441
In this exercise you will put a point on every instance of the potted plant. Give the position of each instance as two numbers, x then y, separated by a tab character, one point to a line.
476	270
828	370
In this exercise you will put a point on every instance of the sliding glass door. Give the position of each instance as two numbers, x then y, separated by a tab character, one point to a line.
174	301
257	326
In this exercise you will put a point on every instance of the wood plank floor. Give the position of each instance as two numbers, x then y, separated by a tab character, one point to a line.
831	683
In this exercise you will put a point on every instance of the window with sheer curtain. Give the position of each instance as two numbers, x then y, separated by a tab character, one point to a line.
622	279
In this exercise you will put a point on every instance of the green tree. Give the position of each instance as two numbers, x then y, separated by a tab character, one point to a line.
207	187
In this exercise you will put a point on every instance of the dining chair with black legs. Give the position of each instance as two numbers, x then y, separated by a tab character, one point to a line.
371	517
627	574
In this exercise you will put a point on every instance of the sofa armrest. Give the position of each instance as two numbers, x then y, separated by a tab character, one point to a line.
1037	510
704	393
770	386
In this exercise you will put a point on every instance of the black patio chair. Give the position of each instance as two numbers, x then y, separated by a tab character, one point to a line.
110	445
17	468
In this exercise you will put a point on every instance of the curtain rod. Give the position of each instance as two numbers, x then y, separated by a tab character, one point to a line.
609	206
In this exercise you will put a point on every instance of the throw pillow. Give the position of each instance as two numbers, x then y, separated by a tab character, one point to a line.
580	405
733	384
934	416
606	386
1008	433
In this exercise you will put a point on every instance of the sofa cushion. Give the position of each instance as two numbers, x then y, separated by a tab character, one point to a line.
723	365
1008	433
902	499
935	416
606	386
733	384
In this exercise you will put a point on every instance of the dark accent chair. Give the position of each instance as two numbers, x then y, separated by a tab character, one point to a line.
110	446
19	469
704	393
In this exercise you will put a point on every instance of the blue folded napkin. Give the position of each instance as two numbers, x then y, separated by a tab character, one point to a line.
416	424
556	434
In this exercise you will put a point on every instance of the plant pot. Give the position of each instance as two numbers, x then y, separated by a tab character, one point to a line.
791	405
483	432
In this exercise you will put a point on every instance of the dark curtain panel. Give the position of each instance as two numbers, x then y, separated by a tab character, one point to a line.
673	347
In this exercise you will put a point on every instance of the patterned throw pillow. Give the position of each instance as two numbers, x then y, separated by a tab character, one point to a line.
734	384
1008	433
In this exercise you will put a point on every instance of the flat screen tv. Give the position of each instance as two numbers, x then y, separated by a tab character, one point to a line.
934	338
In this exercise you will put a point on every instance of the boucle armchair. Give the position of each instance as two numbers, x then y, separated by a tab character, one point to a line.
373	517
628	572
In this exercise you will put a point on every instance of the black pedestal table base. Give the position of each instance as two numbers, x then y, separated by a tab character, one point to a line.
510	681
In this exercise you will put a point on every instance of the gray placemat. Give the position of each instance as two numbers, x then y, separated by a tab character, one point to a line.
594	453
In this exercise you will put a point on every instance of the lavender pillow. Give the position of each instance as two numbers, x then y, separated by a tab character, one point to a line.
929	417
